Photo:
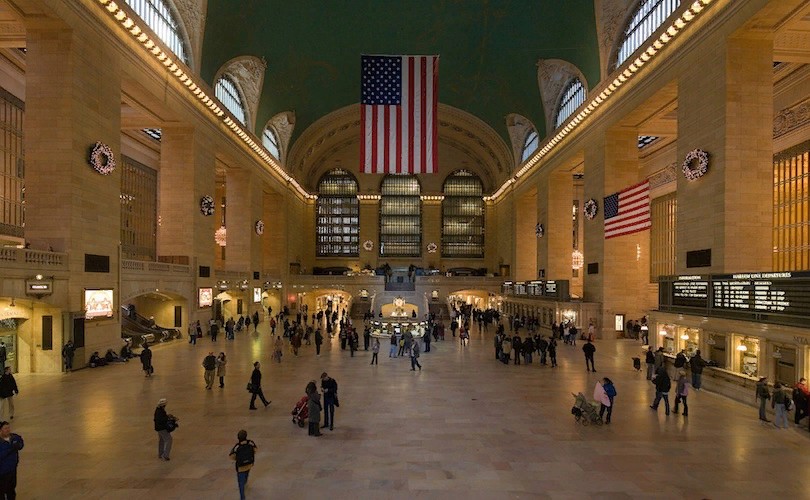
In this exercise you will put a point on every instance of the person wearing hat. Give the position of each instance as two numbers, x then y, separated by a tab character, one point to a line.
161	427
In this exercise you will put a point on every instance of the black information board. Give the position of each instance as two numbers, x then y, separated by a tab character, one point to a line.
777	297
552	289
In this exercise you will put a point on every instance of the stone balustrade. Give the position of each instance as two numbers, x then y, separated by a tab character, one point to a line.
26	258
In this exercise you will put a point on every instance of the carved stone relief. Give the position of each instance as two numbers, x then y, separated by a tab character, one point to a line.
248	73
519	127
192	18
610	19
664	176
552	77
791	118
283	124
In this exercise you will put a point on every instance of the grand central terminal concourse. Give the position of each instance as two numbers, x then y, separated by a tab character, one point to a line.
364	249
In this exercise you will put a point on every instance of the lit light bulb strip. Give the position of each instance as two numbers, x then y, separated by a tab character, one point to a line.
155	48
667	35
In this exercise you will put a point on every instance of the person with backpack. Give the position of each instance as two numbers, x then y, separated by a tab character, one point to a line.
243	454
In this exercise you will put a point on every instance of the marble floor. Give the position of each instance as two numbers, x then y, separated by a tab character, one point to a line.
466	426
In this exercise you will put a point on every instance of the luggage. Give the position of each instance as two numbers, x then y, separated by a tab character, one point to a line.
637	364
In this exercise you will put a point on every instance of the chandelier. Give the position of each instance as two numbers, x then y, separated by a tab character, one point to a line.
577	259
219	236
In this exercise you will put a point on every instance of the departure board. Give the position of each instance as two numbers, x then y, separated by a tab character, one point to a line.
691	291
775	297
552	289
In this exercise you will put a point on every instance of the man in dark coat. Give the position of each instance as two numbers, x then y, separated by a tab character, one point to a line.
256	387
589	349
146	360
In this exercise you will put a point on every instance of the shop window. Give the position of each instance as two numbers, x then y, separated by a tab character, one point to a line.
747	356
717	350
666	334
688	339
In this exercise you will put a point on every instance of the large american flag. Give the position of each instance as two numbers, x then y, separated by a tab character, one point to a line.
627	211
398	114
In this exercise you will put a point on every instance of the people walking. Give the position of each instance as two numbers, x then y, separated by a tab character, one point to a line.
314	409
146	360
8	389
604	392
763	394
221	368
589	349
394	346
10	446
662	387
552	351
329	387
162	428
375	350
192	334
801	399
243	454
210	365
318	341
415	356
278	349
256	387
681	392
67	355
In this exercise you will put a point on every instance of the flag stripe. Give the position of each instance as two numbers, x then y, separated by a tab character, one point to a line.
402	137
628	211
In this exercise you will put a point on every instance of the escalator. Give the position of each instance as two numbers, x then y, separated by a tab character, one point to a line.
139	329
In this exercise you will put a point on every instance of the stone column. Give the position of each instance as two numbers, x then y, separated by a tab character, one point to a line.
554	200
73	100
243	195
525	247
186	175
726	109
621	284
370	231
431	231
275	235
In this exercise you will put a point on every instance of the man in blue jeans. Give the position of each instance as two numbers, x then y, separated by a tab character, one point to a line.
330	400
243	455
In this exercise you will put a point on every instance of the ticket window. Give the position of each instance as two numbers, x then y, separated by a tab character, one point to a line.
786	365
717	350
666	335
747	356
688	339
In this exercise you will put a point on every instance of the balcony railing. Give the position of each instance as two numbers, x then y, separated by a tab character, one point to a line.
34	259
154	267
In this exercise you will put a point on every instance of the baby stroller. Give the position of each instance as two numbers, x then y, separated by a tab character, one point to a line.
300	412
585	412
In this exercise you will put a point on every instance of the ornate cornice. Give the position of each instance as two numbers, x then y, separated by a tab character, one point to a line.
791	118
248	73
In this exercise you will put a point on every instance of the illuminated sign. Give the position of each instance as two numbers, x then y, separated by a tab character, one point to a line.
205	297
98	304
257	294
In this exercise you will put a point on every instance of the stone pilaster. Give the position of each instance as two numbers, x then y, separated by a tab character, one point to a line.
243	194
554	200
525	215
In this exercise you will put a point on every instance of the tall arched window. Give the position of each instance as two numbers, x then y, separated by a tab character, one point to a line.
648	17
160	19
337	226
572	97
400	217
270	142
463	216
530	145
229	96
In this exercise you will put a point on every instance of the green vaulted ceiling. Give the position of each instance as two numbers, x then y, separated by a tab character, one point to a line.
488	49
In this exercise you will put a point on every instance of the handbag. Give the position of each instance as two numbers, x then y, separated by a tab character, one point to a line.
250	387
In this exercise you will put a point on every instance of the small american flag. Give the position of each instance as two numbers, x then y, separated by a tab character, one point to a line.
627	211
398	114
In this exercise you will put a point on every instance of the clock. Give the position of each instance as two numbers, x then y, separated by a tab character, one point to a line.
259	227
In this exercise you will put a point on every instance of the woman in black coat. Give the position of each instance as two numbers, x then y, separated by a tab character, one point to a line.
146	360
